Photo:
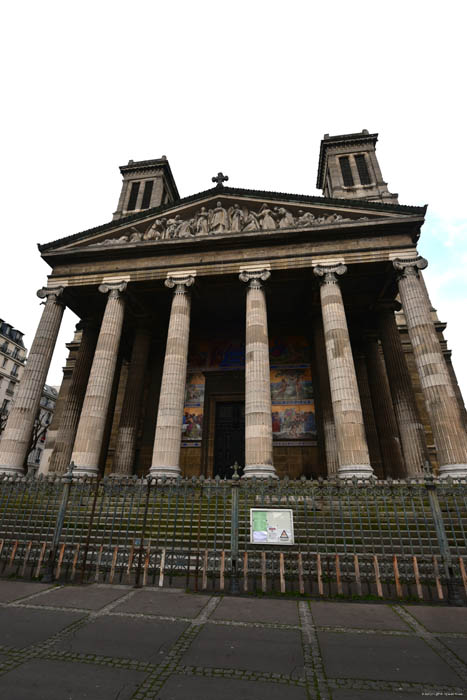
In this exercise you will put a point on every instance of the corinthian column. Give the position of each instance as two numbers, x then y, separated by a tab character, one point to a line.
258	421
440	398
91	426
329	429
411	430
385	418
127	431
61	455
352	448
167	442
16	437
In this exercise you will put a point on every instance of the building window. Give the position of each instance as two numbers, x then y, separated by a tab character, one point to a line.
346	171
14	371
5	405
147	194
5	360
363	169
133	196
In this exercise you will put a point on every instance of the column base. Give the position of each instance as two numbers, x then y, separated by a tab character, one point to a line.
168	472
358	471
11	471
90	472
260	471
455	471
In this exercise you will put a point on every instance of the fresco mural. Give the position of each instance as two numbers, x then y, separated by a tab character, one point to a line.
293	422
192	428
291	385
293	414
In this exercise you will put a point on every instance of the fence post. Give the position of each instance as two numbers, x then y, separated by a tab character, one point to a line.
67	479
143	532
234	587
453	596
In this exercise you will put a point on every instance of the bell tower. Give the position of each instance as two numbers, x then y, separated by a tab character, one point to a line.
146	184
348	168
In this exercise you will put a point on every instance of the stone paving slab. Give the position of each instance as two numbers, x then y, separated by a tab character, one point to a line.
458	646
252	649
385	658
92	597
59	680
283	612
170	603
196	688
14	590
123	637
356	615
20	627
440	619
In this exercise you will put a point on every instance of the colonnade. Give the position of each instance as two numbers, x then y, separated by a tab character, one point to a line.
346	438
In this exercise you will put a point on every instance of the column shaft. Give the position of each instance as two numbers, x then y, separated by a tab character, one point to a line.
91	426
385	419
371	430
322	376
411	430
445	418
61	455
352	447
123	463
258	420
16	437
167	442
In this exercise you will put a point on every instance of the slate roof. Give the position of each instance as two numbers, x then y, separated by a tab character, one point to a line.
263	194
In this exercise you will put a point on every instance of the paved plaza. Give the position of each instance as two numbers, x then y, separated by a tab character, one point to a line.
103	642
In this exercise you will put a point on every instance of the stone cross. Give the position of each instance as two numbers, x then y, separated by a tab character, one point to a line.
220	178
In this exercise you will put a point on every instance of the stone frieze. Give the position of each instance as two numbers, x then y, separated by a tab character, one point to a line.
218	220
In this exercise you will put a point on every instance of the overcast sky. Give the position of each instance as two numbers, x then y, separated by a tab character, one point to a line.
246	87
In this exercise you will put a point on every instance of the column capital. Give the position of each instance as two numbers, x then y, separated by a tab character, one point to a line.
254	278
114	289
409	266
329	273
388	307
52	293
181	283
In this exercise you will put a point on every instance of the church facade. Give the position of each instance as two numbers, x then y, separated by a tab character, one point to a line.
290	333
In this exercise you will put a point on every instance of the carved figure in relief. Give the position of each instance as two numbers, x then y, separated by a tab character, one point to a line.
305	218
285	217
187	229
220	219
136	235
172	226
266	218
202	225
251	222
236	218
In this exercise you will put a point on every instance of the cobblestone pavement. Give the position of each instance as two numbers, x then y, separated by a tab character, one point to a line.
104	642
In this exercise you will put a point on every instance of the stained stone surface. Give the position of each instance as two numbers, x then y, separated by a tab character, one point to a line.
14	590
457	645
441	619
154	602
183	687
383	657
254	610
88	597
356	615
20	627
109	635
254	649
57	680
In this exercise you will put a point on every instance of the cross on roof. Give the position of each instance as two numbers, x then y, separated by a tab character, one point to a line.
220	178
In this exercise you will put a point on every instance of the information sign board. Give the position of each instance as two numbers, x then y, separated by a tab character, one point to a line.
271	526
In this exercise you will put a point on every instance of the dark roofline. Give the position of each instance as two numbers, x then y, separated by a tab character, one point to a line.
311	199
342	139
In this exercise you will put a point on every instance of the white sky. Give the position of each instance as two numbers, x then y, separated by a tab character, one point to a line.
248	88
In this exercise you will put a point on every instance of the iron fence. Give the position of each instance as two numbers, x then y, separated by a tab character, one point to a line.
388	539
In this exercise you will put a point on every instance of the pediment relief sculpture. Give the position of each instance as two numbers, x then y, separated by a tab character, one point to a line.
218	220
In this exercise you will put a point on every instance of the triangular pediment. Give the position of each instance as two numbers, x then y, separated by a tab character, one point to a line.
230	212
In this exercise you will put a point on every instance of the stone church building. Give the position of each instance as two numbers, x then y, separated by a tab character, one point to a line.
291	333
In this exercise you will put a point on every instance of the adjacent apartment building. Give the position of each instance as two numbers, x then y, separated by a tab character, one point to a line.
12	359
